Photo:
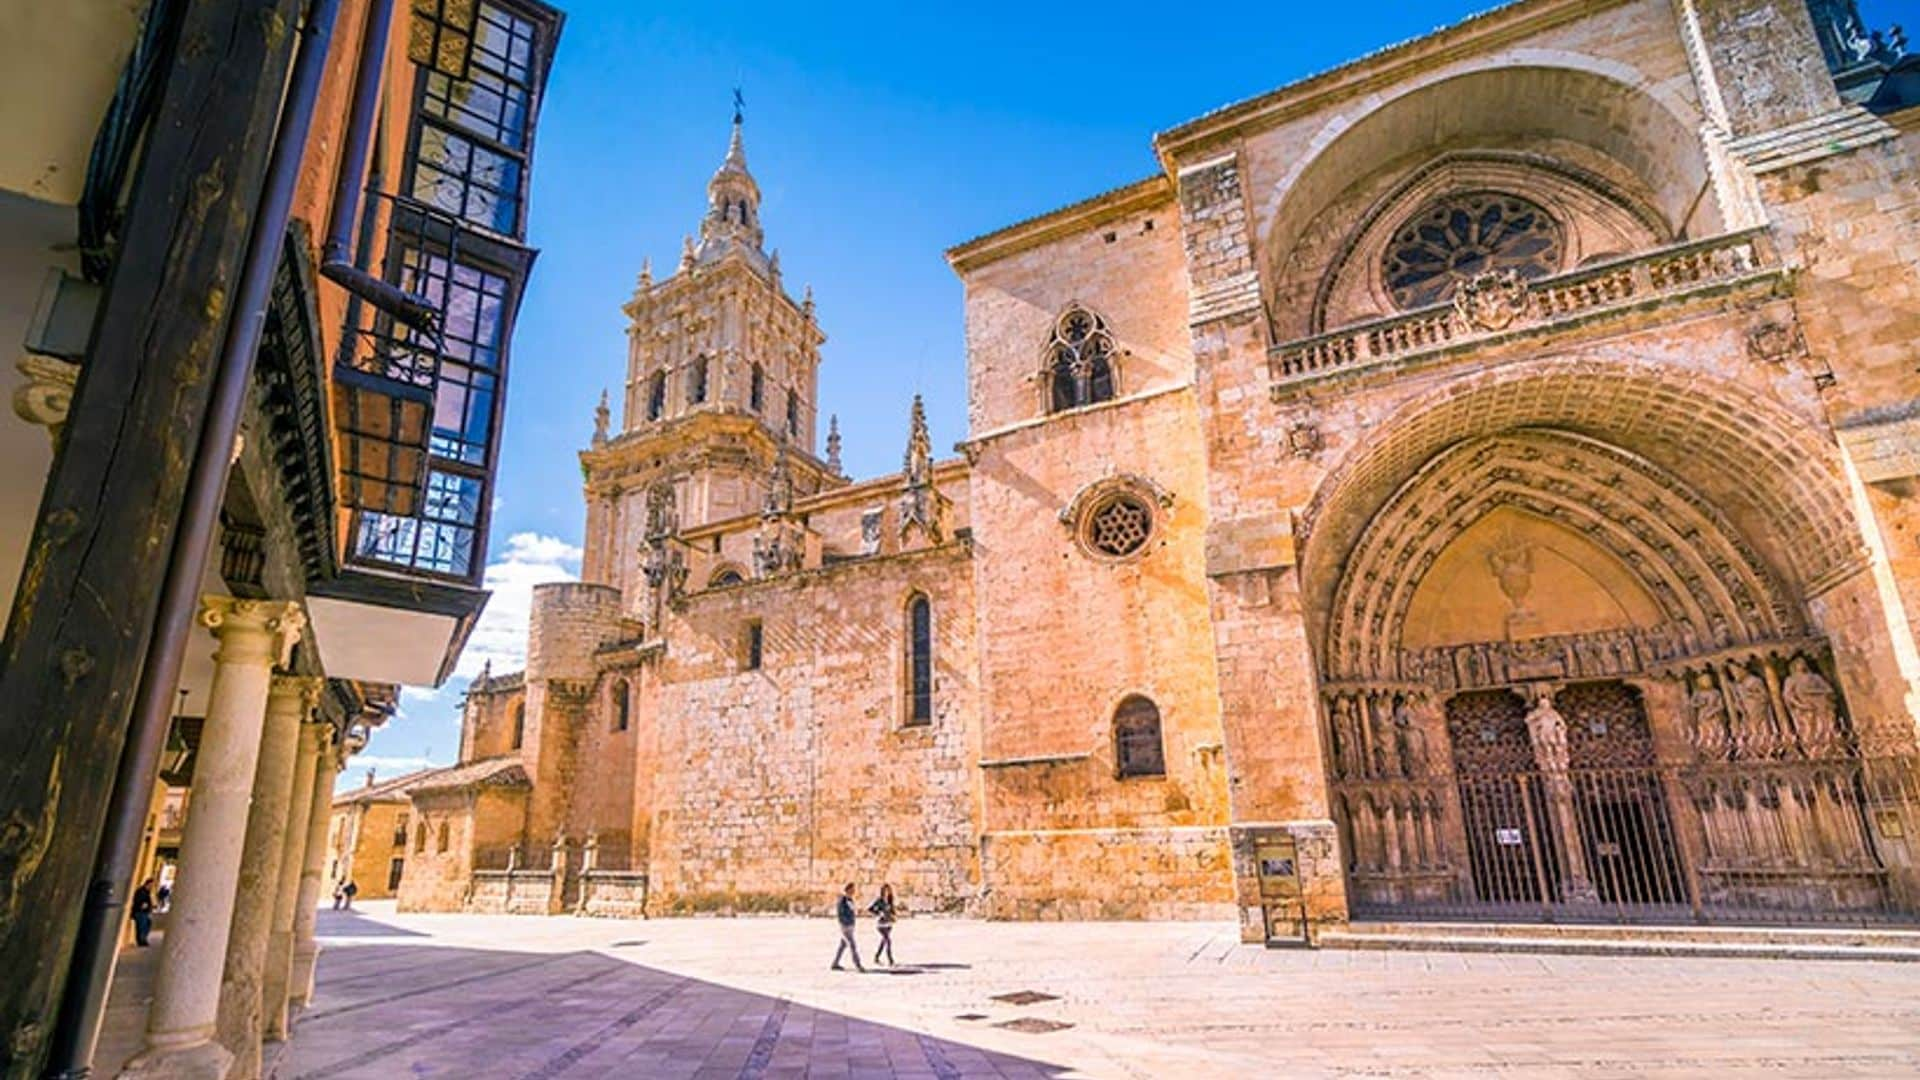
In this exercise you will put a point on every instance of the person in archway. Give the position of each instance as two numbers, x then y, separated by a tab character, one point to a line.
843	911
882	911
142	912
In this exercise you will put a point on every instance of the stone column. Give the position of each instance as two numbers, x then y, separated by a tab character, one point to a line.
289	702
306	907
181	1022
293	858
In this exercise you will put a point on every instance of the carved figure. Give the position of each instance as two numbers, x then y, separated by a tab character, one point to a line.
602	416
1547	730
1758	726
1409	740
1707	710
1811	703
1346	739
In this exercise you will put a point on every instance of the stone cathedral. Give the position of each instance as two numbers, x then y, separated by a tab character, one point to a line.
1480	480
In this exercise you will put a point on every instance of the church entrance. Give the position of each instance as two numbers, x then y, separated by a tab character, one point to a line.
1558	684
1568	815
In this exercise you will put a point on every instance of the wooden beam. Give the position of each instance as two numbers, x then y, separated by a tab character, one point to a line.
86	605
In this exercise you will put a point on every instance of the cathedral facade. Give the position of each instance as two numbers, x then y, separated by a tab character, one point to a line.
1476	480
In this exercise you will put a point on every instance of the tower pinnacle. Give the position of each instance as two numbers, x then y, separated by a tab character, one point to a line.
733	202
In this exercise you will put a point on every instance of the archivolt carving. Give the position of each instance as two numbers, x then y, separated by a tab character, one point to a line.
1710	585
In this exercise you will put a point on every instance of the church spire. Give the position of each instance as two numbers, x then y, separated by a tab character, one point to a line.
733	201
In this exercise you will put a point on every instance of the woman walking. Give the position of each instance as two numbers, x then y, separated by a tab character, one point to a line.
882	911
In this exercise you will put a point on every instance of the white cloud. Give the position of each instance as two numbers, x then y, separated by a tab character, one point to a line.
501	637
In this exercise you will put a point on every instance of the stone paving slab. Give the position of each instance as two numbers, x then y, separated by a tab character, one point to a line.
504	996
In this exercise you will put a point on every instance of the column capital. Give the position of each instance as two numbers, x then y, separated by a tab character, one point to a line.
253	630
307	687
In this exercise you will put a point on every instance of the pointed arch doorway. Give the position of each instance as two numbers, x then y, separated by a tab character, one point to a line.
1554	680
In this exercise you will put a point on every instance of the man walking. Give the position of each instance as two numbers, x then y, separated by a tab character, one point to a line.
844	912
143	912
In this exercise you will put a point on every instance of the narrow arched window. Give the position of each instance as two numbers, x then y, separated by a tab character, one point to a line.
445	838
420	837
1079	360
519	724
620	705
1136	738
793	415
697	382
757	389
657	396
919	661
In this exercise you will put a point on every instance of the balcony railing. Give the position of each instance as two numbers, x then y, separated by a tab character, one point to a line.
1495	308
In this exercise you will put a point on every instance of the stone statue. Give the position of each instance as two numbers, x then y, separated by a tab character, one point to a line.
1384	759
602	416
1707	710
1346	740
1547	730
1811	703
1750	694
1409	739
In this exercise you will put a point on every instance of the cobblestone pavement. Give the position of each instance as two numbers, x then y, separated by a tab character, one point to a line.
494	996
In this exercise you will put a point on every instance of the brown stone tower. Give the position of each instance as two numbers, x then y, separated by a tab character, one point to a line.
722	371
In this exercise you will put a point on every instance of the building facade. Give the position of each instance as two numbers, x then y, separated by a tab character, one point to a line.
262	258
1476	480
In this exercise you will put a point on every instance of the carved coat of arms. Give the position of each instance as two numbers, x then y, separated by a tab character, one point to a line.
1491	301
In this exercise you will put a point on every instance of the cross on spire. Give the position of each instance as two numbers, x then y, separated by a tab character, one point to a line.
739	105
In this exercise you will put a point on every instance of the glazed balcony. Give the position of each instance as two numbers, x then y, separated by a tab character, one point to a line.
1496	311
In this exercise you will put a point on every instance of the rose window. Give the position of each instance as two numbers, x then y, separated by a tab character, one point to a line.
1119	527
1460	237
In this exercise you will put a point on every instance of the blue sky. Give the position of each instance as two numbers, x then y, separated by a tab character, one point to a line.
880	136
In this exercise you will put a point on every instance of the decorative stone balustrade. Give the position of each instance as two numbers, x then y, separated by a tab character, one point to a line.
1499	307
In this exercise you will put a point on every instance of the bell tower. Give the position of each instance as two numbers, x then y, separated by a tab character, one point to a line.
722	374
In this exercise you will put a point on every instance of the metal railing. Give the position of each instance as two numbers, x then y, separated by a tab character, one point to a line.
1813	840
1501	308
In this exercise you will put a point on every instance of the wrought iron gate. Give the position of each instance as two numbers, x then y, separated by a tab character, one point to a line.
1567	812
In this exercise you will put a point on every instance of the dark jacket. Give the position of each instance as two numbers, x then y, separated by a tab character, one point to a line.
844	911
142	901
882	908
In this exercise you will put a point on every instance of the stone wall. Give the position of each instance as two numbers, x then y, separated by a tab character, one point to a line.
1181	872
1068	632
773	787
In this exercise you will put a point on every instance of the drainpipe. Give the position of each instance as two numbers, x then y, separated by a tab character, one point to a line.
336	255
90	974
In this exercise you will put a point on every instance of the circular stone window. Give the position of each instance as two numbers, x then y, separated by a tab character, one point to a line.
1118	526
1460	237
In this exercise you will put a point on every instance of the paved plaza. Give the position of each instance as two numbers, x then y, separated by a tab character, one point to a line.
501	996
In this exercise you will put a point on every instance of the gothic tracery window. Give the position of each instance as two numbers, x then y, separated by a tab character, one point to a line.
1079	360
1119	526
1137	749
919	661
1459	237
519	725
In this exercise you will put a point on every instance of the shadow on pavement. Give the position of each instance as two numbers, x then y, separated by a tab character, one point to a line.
404	1010
345	922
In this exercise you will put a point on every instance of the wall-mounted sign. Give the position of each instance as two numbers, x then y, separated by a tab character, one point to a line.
1507	837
